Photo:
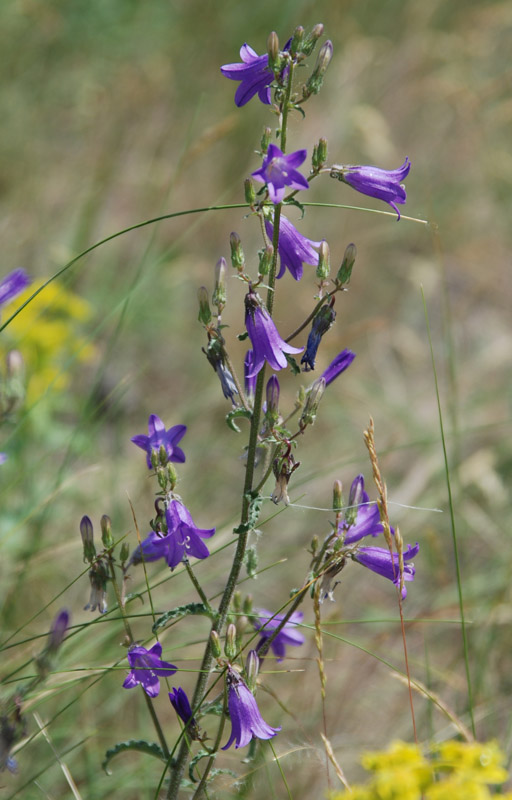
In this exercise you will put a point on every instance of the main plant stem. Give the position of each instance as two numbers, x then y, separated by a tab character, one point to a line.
238	559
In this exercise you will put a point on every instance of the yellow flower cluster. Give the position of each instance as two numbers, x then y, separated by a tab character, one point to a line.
449	771
45	333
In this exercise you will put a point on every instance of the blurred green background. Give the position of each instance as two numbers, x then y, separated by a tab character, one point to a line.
113	112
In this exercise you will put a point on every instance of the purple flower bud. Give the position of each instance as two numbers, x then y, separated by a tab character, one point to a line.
361	520
59	626
253	74
157	436
293	248
380	183
290	636
87	534
355	497
272	412
181	705
146	667
279	171
249	375
266	342
338	365
246	720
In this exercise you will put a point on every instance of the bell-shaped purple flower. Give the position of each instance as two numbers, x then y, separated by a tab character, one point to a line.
383	184
362	520
254	76
158	437
13	284
293	248
184	538
380	560
146	667
266	342
152	548
279	171
246	720
337	366
266	624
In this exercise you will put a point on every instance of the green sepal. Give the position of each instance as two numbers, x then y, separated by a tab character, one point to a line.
141	745
294	367
298	108
242	336
182	611
237	412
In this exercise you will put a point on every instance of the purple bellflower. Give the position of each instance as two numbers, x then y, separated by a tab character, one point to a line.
361	520
184	537
289	635
158	437
254	76
181	705
13	284
279	171
293	248
383	184
152	548
338	365
246	720
380	560
266	342
146	667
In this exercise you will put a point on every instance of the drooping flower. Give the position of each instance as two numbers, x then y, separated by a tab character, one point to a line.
13	284
323	321
246	720
152	548
146	667
362	518
98	578
183	538
181	705
293	248
279	170
266	624
158	437
338	365
266	342
254	76
379	560
383	184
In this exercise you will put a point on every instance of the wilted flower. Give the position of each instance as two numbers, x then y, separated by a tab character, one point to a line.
215	355
381	561
246	720
383	184
254	76
181	705
146	666
293	248
158	437
98	577
338	365
289	635
266	342
279	171
323	321
13	284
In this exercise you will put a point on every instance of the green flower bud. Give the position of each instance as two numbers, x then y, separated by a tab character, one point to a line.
237	254
124	552
265	139
273	52
205	315
237	602
310	40
319	154
247	606
297	39
324	261
219	293
316	78
337	499
252	667
215	644
310	409
266	255
106	532
230	646
345	271
250	194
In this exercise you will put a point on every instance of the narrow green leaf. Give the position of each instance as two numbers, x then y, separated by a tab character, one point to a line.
237	412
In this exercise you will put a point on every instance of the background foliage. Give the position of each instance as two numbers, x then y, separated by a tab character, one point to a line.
116	112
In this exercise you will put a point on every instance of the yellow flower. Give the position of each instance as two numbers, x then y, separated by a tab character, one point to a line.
473	761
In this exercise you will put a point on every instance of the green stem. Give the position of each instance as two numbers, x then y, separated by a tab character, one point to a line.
197	585
313	314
